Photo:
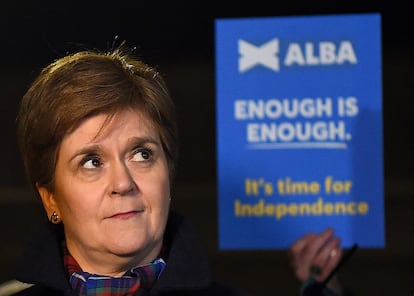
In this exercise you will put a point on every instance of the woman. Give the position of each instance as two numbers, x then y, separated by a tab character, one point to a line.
98	139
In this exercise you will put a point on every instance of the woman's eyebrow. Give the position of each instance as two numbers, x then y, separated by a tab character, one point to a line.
92	149
133	141
143	140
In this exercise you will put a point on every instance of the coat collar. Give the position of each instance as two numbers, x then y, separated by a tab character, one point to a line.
187	264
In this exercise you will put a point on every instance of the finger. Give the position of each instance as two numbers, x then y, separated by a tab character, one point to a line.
331	263
326	251
307	251
301	243
328	258
297	249
319	242
323	245
297	254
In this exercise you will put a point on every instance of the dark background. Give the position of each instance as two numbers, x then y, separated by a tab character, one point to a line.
178	38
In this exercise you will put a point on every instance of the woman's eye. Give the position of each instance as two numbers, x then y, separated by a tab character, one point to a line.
91	163
142	155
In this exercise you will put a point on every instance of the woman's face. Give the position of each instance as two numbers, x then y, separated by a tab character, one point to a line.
112	192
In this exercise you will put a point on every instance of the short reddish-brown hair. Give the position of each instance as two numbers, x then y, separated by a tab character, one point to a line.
81	85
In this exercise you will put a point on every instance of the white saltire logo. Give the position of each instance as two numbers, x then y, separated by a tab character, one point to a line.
265	55
322	53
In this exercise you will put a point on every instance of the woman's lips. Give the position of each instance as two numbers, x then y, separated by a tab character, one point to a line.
125	215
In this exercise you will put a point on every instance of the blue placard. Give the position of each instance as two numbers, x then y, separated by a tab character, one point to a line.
299	130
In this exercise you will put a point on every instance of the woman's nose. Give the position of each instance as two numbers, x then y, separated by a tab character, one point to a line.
122	181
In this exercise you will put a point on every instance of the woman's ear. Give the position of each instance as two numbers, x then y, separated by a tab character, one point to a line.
48	201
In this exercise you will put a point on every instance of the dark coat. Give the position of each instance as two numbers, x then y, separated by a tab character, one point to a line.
187	272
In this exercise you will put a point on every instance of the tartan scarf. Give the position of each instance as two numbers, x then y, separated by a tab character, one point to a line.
141	277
